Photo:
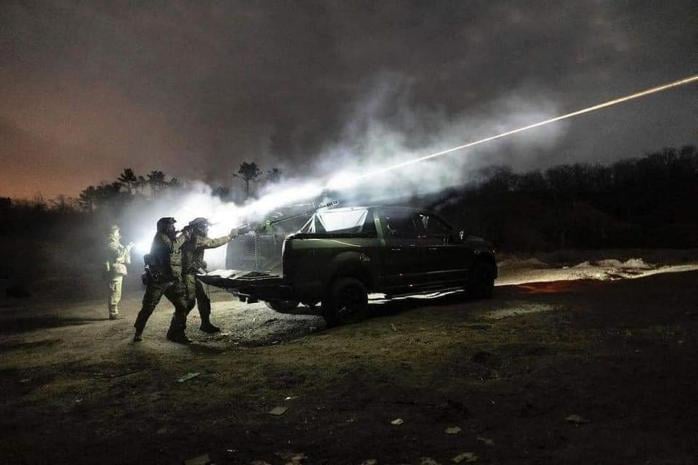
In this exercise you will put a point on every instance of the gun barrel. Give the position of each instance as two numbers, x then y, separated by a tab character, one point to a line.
305	212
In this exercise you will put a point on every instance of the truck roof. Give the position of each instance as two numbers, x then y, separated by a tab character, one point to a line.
366	207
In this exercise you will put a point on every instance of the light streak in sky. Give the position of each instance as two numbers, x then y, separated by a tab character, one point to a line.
358	178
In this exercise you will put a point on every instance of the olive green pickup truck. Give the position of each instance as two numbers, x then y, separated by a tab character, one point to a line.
341	255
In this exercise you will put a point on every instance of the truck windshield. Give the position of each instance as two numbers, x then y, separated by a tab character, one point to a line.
354	221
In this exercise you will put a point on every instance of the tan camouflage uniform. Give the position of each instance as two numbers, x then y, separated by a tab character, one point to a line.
192	262
118	256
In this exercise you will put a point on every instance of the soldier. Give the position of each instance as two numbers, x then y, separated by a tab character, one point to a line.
118	257
164	277
193	263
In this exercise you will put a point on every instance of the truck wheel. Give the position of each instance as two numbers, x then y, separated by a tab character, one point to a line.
282	306
480	282
346	301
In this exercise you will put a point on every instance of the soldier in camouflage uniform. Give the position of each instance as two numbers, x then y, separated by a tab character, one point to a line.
193	263
164	277
118	257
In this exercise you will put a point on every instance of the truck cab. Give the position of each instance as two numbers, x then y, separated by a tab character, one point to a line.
393	250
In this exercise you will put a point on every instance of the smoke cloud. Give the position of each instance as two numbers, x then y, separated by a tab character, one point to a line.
384	127
387	127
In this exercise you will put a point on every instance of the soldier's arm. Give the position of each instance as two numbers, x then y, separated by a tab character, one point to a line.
180	240
126	253
212	243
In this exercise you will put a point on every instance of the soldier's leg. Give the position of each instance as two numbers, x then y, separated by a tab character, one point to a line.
110	298
177	294
190	292
115	296
204	303
153	294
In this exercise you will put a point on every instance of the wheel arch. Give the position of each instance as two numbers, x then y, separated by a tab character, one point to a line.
487	258
350	264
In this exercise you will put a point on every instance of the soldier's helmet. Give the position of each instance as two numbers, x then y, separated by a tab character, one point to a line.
165	222
199	224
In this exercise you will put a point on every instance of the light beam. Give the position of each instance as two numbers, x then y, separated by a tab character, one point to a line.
599	106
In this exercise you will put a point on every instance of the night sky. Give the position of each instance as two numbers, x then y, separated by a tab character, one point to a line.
88	88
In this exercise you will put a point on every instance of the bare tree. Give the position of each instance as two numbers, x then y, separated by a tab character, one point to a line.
63	204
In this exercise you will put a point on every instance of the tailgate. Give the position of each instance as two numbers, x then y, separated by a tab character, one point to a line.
252	284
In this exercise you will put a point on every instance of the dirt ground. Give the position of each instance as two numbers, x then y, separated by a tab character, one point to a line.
593	363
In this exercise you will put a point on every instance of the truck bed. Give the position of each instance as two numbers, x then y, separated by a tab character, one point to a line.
248	285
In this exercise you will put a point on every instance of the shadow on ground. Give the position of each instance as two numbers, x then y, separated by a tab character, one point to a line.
26	324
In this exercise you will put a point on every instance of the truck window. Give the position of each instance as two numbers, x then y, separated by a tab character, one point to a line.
399	223
354	221
432	226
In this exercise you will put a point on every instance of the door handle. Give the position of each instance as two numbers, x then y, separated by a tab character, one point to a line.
396	249
433	249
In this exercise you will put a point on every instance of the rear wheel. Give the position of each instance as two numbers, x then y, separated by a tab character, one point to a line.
480	281
282	306
346	302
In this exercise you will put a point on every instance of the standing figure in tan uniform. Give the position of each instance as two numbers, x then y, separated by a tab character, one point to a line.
118	256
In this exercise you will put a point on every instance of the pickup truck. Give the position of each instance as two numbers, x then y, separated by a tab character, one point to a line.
341	255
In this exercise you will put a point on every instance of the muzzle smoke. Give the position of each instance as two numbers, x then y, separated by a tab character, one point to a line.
388	151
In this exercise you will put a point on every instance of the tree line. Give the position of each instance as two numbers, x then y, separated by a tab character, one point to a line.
638	202
130	185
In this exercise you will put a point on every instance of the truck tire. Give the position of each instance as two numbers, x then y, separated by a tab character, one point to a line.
480	281
346	301
282	306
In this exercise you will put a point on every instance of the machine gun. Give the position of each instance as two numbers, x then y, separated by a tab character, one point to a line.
261	251
266	226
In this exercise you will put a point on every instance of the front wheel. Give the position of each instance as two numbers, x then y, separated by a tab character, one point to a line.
480	281
346	301
282	306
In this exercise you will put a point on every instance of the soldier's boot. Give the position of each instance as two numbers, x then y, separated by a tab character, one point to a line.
204	304
113	312
176	331
207	326
178	336
139	325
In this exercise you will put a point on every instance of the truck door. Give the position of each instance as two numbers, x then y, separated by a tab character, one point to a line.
444	258
401	257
